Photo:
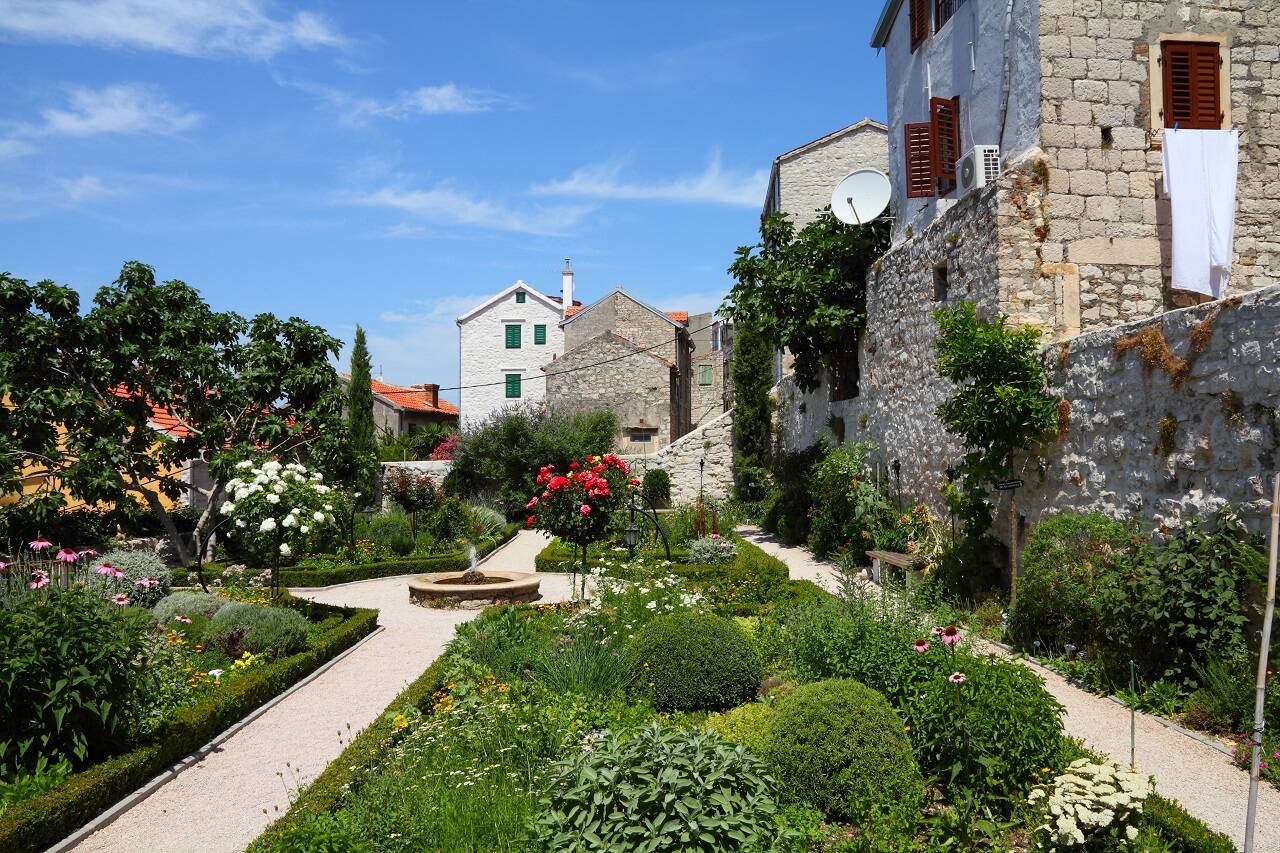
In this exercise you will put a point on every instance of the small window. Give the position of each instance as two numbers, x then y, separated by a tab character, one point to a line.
513	386
513	336
704	374
642	435
539	335
942	12
1191	77
940	282
519	297
919	20
844	375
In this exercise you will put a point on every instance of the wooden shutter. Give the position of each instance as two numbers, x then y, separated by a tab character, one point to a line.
1191	72
513	336
513	385
539	335
944	121
919	12
918	149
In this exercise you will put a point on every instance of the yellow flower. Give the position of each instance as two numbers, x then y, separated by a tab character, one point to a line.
400	722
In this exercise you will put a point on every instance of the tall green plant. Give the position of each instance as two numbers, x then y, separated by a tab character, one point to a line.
360	410
752	369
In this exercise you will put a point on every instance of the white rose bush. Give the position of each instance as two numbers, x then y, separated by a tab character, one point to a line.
276	510
1091	806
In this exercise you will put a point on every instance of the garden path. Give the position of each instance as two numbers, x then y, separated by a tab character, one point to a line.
225	800
1197	775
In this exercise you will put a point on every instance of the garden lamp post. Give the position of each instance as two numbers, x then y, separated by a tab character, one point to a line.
702	463
951	478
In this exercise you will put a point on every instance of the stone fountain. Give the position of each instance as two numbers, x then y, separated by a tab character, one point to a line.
473	589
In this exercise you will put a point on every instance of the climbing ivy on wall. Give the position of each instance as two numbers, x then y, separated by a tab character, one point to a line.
999	407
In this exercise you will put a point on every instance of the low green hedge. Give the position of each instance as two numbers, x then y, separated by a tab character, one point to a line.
1185	834
38	823
345	772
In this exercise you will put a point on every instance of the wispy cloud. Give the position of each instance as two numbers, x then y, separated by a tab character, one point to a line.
121	108
189	27
445	99
445	205
84	188
714	185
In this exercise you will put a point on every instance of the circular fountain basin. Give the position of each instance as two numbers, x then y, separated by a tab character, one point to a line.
446	589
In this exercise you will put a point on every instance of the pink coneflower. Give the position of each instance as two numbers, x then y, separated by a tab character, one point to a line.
39	544
921	646
956	678
108	569
3	566
88	552
937	631
120	598
39	578
950	635
66	555
146	582
185	620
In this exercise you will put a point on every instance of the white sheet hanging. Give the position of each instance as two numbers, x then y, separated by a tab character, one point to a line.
1200	177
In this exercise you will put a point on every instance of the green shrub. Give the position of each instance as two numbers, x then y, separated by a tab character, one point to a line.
483	523
187	603
448	521
692	662
656	487
849	507
668	790
391	531
746	724
240	627
500	640
323	833
1182	832
839	746
712	550
145	581
70	664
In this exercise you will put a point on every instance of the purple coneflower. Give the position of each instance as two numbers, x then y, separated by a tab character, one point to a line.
39	578
950	635
921	646
39	544
956	678
120	598
66	555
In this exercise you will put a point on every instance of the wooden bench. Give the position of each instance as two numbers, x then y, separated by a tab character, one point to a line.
893	558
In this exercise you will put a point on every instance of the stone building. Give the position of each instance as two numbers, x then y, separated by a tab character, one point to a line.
1069	230
801	180
711	386
398	411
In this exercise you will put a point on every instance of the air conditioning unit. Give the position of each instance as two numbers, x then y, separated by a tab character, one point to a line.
978	167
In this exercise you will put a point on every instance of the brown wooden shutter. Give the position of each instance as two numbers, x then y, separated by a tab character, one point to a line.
944	120
919	158
1191	72
919	12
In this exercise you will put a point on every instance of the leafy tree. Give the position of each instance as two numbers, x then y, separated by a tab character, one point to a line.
413	446
80	390
752	369
806	292
360	412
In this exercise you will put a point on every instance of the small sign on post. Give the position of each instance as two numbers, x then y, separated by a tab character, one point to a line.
1009	485
1012	486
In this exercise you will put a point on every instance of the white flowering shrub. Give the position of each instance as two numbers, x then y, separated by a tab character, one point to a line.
277	508
1092	806
713	550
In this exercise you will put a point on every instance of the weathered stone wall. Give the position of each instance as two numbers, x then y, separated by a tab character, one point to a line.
708	400
712	443
622	315
634	385
806	179
1110	223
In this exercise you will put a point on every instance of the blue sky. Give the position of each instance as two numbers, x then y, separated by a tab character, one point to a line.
390	164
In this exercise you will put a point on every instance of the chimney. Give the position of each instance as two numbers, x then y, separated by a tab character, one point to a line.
566	289
433	392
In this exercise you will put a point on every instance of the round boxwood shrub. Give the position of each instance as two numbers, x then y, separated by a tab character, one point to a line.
240	627
839	746
693	662
746	724
187	603
656	487
145	581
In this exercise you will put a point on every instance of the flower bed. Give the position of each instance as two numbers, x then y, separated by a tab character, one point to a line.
37	823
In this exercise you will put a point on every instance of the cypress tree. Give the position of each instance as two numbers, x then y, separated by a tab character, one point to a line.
752	371
360	409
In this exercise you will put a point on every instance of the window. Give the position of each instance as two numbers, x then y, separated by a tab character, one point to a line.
1192	81
539	335
513	336
940	282
844	375
944	130
919	13
519	297
942	12
513	386
919	156
704	374
642	435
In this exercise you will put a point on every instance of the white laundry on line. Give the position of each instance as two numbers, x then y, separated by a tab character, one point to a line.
1200	177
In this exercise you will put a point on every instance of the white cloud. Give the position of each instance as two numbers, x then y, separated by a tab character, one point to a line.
445	99
121	108
189	27
84	188
714	185
446	206
14	148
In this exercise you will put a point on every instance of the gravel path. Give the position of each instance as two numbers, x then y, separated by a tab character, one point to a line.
1195	774
223	802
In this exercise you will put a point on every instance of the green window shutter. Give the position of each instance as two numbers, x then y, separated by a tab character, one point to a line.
539	334
513	385
520	297
704	374
513	336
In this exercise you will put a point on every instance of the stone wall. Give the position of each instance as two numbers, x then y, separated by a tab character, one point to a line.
708	400
437	470
807	177
1110	220
713	443
621	314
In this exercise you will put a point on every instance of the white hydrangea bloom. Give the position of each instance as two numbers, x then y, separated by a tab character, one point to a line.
318	516
244	463
273	498
268	524
284	549
228	507
278	488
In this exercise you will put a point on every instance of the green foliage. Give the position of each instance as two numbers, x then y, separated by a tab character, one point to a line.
70	663
656	487
712	550
662	790
690	662
324	833
785	510
999	407
241	627
360	413
839	746
413	491
752	374
28	784
328	572
746	724
806	292
849	507
500	457
144	566
187	603
386	528
448	522
583	665
416	445
1184	833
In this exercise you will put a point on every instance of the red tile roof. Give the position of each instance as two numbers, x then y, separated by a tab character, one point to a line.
413	399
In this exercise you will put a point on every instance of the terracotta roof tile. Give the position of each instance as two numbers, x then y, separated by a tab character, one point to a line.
412	399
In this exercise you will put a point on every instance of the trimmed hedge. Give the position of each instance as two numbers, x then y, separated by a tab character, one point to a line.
1185	834
37	824
692	662
346	771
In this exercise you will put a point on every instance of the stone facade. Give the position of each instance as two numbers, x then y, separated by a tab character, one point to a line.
712	444
803	178
611	372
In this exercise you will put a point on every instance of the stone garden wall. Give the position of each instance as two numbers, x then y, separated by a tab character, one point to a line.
712	442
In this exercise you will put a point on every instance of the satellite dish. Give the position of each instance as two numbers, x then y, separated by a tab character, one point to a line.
861	197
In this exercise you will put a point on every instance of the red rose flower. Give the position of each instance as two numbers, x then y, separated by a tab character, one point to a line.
529	521
585	509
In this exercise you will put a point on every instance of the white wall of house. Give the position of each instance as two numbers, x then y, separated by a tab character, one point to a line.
965	58
486	361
